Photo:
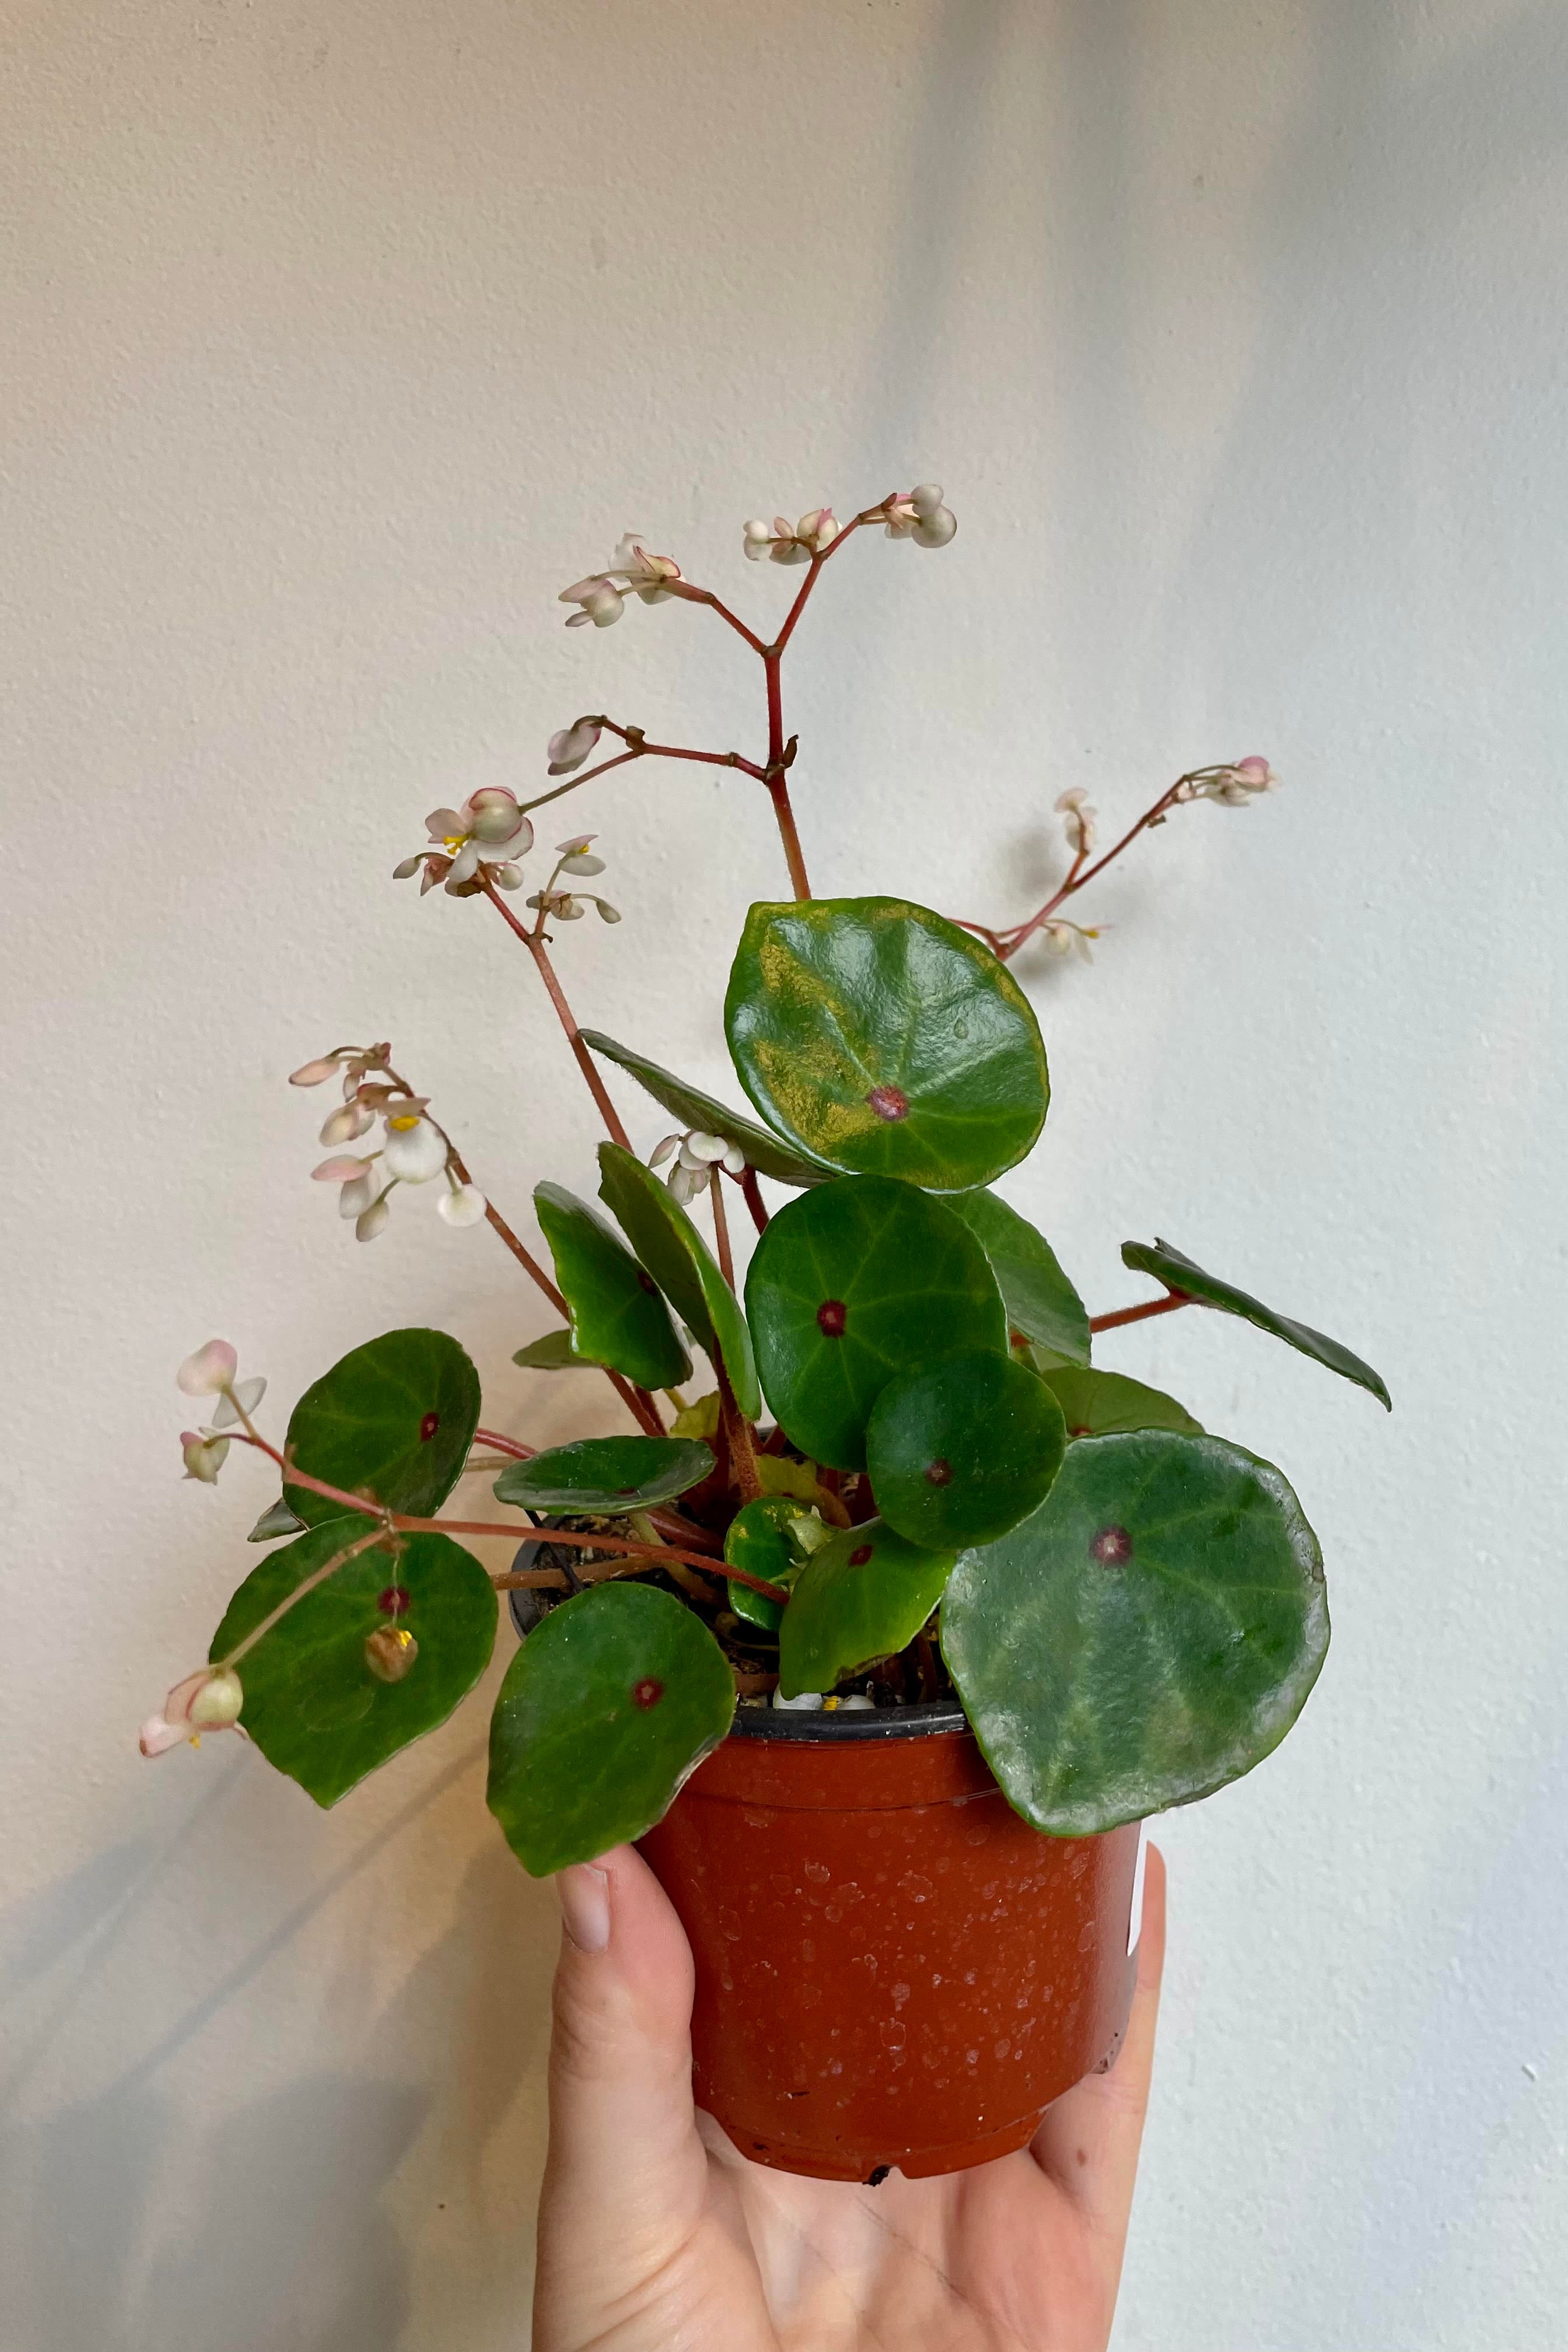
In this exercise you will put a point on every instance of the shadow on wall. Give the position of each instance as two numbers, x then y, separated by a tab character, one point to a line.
289	2234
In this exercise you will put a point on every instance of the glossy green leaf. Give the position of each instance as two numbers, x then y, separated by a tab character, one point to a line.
276	1519
311	1703
606	1475
693	1108
865	1595
392	1421
682	1265
773	1537
1041	1302
960	1450
617	1314
1178	1273
553	1352
885	1040
1105	1404
605	1710
1150	1634
854	1283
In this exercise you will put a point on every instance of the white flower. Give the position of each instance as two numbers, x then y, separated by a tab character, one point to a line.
1077	812
786	542
920	514
414	1148
601	598
698	1154
489	826
463	1204
208	1700
574	857
1233	785
1062	939
358	1193
569	746
203	1456
209	1371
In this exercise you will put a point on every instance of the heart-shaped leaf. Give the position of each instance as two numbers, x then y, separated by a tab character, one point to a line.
852	1284
960	1450
682	1265
693	1108
865	1595
1150	1634
604	1711
1105	1404
392	1421
885	1040
1041	1302
1178	1273
773	1537
313	1704
553	1352
617	1314
606	1475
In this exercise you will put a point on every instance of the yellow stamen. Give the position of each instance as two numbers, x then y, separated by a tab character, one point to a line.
409	1119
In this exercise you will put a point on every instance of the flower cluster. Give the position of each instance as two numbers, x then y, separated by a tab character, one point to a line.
1078	814
413	1149
480	842
573	856
696	1157
918	514
783	541
1233	786
601	598
211	1372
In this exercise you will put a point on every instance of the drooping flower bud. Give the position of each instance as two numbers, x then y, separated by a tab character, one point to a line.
463	1205
203	1456
371	1220
390	1653
569	746
313	1074
209	1371
348	1123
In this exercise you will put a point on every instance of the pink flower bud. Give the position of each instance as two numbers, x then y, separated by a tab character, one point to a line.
341	1170
313	1074
203	1456
347	1125
209	1371
571	746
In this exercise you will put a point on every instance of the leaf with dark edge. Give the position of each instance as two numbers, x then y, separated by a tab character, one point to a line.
884	1041
1178	1273
1108	1404
693	1108
865	1595
851	1284
960	1450
553	1352
606	1476
607	1708
758	1541
1041	1302
617	1314
312	1703
276	1519
392	1421
682	1265
1151	1632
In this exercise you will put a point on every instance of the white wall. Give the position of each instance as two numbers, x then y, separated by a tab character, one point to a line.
338	338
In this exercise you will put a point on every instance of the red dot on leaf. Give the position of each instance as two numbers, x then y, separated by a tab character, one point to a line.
939	1473
831	1317
428	1426
888	1102
648	1693
393	1602
1112	1546
860	1555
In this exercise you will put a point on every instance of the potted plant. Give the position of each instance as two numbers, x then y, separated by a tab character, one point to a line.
885	1636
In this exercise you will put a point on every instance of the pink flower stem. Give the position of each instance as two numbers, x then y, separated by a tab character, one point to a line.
534	942
642	750
1007	943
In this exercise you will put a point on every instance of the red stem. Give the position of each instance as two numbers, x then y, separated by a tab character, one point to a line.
1166	1306
1008	942
535	946
753	1196
721	1228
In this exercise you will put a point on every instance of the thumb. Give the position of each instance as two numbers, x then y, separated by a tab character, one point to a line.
626	2176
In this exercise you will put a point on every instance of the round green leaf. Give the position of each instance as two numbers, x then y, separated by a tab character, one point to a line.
392	1421
606	1475
1149	1633
961	1450
311	1703
885	1040
1105	1404
762	1539
617	1316
1178	1273
1041	1302
693	1108
865	1595
682	1265
603	1712
854	1283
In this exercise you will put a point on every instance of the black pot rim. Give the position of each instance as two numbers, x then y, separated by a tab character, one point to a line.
817	1726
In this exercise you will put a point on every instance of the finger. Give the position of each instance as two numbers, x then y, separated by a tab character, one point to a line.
1089	2141
626	2176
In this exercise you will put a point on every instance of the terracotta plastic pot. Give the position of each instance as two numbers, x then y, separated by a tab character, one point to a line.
892	1968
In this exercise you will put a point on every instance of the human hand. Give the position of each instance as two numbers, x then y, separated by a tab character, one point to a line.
656	2235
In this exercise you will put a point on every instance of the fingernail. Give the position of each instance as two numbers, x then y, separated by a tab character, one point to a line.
584	1894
